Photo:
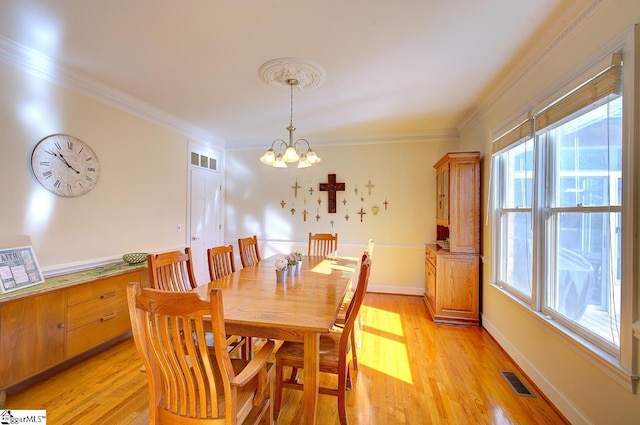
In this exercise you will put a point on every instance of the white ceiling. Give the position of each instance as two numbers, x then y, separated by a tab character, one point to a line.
394	68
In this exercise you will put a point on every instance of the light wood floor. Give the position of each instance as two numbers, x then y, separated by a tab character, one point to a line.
411	372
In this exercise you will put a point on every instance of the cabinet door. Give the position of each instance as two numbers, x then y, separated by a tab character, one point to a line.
464	200
457	281
32	336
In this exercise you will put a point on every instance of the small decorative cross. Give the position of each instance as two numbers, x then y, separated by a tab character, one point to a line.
385	204
304	214
362	212
369	185
295	188
318	214
332	187
331	223
311	191
344	201
282	203
293	211
346	217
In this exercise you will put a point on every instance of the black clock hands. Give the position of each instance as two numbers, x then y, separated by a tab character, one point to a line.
61	158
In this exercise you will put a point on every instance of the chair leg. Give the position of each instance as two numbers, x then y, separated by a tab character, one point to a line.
278	391
247	348
342	396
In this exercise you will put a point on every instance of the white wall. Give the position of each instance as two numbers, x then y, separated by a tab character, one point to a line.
566	374
137	203
402	173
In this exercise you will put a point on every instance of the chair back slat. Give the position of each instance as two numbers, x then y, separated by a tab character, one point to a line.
171	271
323	244
221	261
249	251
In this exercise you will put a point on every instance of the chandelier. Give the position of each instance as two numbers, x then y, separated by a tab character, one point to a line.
290	72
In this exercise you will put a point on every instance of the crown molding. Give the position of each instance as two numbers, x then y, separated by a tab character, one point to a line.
525	65
49	69
436	135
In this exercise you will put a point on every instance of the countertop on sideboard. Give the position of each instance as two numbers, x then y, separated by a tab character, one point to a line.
70	279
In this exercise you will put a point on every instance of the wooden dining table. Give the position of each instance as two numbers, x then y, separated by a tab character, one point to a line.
300	309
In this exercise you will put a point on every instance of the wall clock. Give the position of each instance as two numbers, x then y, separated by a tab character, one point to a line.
65	165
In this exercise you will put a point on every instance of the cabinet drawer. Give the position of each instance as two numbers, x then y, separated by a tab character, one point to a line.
95	333
430	256
98	310
101	289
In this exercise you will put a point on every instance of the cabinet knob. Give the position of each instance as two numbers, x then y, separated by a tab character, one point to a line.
61	325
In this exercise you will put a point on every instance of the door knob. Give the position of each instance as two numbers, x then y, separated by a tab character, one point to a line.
193	238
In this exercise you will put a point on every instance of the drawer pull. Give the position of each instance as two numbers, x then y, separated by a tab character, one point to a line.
108	295
107	317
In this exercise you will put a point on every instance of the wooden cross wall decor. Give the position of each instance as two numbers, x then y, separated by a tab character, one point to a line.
332	187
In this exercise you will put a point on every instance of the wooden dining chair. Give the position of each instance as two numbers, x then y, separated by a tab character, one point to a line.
323	244
335	348
357	327
221	263
173	271
249	251
190	382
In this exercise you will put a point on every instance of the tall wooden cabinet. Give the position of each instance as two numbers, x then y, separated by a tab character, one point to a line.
452	263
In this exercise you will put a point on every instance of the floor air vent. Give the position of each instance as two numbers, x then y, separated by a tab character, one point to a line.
516	384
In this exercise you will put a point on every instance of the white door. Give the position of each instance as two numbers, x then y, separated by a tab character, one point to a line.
205	223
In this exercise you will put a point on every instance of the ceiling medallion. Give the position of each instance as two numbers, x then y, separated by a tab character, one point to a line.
278	72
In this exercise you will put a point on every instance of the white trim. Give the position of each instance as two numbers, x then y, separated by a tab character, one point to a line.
599	359
556	397
524	65
43	66
396	290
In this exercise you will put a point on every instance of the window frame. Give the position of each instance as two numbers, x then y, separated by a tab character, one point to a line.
621	366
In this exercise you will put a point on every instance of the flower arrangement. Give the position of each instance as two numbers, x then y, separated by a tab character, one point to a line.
298	255
281	264
292	259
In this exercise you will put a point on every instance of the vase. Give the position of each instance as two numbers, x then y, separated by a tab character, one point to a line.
280	274
292	269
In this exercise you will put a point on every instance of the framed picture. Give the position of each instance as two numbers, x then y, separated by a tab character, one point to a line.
18	269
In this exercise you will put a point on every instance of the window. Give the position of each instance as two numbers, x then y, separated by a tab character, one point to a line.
558	210
514	212
581	223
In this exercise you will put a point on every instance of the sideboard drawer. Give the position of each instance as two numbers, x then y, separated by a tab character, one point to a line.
94	311
105	288
95	333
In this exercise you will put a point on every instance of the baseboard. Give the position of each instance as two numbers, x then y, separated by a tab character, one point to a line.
564	405
399	290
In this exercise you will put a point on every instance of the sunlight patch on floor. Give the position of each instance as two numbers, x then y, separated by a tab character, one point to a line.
384	351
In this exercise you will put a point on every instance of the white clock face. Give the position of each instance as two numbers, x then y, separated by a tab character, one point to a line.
65	165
